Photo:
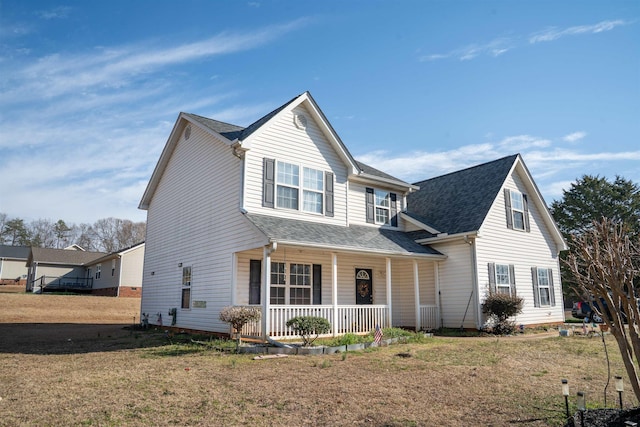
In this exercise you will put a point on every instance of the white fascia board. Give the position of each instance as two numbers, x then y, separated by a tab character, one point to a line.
448	238
377	180
417	223
167	151
540	203
331	248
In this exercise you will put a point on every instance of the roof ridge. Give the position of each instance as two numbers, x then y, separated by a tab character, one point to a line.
468	168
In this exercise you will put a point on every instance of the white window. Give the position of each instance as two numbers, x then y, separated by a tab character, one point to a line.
186	287
503	279
296	288
113	267
312	193
543	286
278	283
289	187
517	210
288	179
98	270
382	207
300	284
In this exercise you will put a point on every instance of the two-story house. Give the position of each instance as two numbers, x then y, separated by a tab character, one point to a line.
280	215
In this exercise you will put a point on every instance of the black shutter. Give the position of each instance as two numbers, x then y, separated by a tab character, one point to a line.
254	281
394	209
507	204
552	292
268	182
317	284
328	193
371	211
492	277
512	279
525	203
536	290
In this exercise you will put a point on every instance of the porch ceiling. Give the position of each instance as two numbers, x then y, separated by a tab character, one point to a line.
353	238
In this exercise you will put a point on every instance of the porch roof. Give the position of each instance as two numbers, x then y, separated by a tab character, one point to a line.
354	238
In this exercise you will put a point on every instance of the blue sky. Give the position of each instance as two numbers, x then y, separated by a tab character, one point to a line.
89	90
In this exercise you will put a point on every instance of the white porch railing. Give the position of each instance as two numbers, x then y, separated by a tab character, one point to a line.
357	319
428	317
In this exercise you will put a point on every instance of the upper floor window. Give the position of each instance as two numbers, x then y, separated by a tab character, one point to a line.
381	207
517	210
290	186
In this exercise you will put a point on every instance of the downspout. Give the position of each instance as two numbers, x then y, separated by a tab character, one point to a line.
436	272
474	281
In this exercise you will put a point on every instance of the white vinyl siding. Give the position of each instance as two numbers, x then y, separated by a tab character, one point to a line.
523	250
308	148
192	221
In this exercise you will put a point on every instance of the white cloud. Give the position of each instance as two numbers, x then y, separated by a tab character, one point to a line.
59	12
523	142
501	45
552	34
493	48
574	137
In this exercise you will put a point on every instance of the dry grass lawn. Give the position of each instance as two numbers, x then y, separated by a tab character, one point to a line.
68	360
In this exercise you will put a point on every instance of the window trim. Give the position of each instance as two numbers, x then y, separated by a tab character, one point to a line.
185	287
543	273
300	188
289	284
98	271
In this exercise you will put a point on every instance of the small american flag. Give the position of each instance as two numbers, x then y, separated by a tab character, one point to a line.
378	335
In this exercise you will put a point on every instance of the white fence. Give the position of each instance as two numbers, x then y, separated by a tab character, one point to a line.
357	319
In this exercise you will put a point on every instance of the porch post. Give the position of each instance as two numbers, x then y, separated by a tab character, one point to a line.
389	312
266	286
416	291
334	293
234	277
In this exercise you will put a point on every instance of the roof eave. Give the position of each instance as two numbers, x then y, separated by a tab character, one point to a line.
345	249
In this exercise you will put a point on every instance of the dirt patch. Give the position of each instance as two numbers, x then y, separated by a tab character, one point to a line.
101	373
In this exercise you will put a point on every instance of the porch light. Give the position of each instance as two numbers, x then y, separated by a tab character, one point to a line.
565	393
582	406
619	388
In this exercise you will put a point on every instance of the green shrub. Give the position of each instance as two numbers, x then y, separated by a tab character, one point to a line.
308	326
500	307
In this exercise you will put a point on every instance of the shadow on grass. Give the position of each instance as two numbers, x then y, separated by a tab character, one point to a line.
67	338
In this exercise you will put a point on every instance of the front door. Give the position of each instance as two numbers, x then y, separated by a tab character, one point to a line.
364	286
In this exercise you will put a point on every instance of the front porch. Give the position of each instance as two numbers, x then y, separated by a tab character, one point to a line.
355	319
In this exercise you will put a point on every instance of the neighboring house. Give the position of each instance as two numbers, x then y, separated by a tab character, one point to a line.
13	264
73	269
118	274
59	269
281	216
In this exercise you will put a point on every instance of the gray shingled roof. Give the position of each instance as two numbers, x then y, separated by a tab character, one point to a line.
354	237
375	172
232	132
459	201
15	252
63	256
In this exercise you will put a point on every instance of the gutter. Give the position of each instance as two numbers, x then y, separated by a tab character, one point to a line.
360	250
449	237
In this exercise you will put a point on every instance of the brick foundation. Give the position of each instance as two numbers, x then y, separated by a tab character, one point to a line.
130	292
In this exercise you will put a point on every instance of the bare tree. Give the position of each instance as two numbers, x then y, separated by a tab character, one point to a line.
605	262
83	236
42	233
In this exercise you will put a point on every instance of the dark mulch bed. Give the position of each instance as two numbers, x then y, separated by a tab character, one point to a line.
605	418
